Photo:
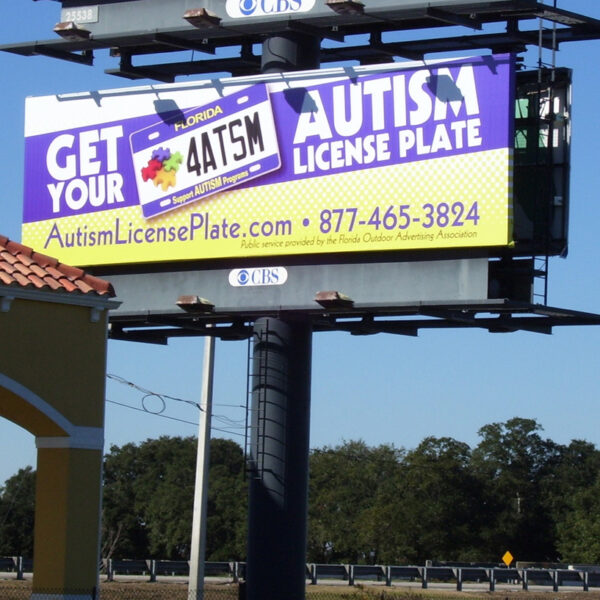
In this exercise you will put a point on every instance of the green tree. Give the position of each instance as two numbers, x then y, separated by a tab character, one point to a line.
579	531
344	483
165	495
17	507
149	495
227	502
510	462
375	526
123	521
575	468
440	501
570	490
435	513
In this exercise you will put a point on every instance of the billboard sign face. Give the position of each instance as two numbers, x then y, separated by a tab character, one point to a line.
395	157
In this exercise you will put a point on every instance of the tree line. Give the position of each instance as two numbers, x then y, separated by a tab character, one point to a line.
442	500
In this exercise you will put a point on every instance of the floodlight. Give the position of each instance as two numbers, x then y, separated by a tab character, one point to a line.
201	18
195	304
71	31
346	7
333	299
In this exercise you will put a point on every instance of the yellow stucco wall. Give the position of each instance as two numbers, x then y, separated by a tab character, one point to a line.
52	383
13	408
68	496
59	354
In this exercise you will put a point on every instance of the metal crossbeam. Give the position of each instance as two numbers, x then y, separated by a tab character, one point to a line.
496	317
244	32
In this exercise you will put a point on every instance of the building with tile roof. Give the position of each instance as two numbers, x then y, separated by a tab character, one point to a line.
22	266
53	327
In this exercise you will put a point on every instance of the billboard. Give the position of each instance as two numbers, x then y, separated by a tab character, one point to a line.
402	156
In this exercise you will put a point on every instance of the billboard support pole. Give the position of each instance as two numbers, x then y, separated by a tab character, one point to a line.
282	355
278	465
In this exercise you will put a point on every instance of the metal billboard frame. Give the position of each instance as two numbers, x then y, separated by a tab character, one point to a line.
333	20
501	310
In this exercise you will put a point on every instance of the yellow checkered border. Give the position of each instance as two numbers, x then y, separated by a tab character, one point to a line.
481	177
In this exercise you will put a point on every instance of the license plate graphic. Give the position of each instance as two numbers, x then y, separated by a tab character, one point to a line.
205	150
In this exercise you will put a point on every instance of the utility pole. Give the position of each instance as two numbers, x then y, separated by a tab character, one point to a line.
198	549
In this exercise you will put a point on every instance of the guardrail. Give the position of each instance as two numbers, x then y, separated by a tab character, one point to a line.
16	564
583	577
459	575
153	568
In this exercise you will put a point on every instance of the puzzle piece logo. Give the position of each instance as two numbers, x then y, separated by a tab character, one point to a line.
162	168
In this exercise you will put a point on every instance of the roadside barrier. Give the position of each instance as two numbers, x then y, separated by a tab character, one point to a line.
447	575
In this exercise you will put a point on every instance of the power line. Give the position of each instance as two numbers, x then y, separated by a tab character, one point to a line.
131	384
230	424
148	392
155	414
152	413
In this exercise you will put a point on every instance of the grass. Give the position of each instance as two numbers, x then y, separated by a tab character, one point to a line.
21	590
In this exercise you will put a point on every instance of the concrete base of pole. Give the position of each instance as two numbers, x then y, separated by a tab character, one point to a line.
278	501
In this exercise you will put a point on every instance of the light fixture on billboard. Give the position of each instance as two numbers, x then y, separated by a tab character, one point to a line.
195	304
346	7
201	18
332	299
71	31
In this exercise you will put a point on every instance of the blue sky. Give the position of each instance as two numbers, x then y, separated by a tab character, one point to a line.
382	389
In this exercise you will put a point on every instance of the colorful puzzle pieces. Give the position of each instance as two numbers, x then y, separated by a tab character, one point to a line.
172	164
150	171
165	179
161	154
162	168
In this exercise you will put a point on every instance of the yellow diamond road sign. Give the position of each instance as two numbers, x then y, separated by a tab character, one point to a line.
507	558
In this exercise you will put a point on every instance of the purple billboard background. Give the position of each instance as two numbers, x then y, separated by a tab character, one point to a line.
37	202
494	85
493	77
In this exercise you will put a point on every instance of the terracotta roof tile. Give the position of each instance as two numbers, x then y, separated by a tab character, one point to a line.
52	271
22	266
83	286
99	284
25	270
39	271
5	266
68	285
16	248
25	259
21	280
52	283
37	281
73	273
44	261
8	257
